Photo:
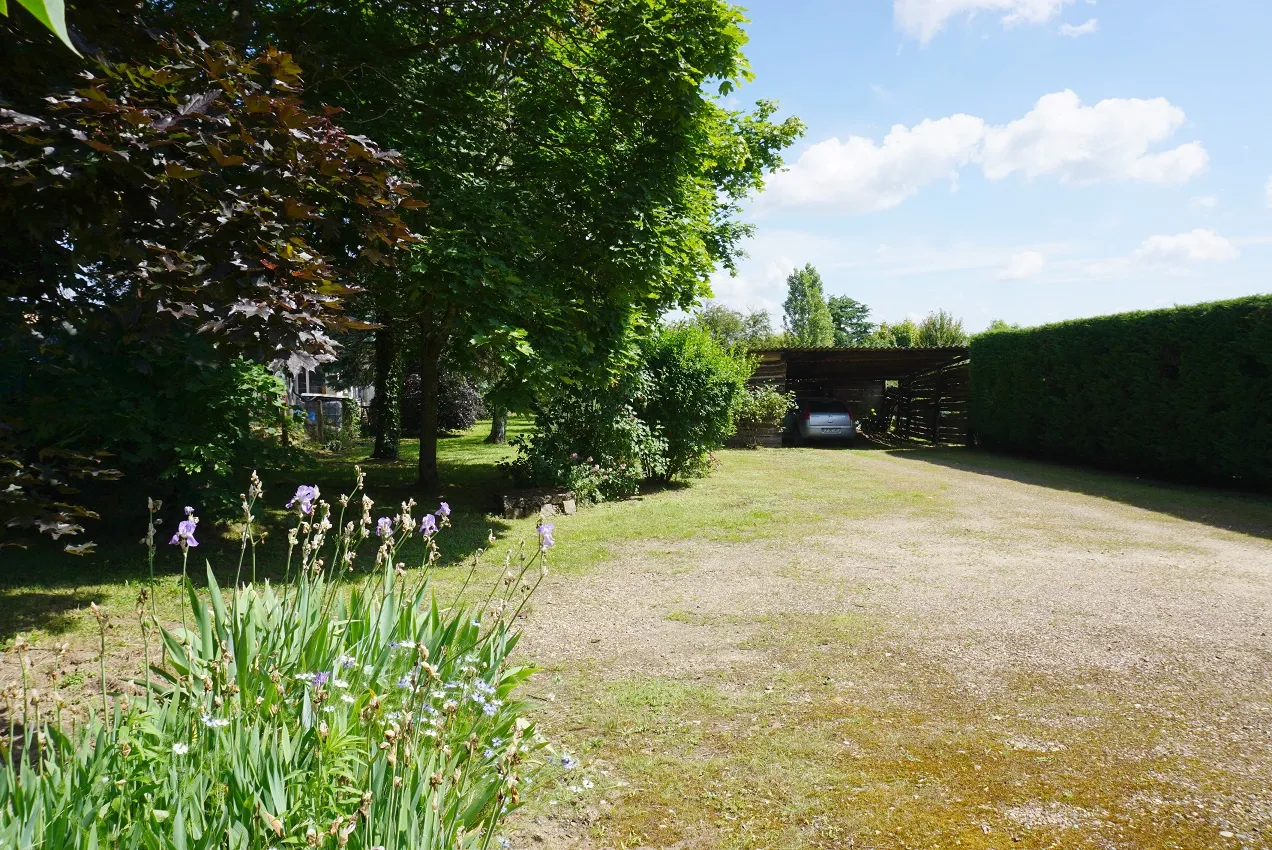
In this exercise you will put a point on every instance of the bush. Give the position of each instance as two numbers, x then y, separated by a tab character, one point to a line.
592	442
322	714
697	386
180	417
661	419
1184	392
764	407
459	403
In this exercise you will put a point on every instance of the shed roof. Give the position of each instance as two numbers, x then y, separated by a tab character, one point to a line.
861	364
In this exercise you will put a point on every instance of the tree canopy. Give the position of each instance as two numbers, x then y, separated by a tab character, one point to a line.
851	320
582	172
808	321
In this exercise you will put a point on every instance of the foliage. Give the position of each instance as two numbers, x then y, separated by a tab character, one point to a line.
808	319
185	210
941	329
733	329
35	491
1000	325
592	442
459	403
1183	392
698	386
903	334
851	320
585	172
194	190
764	406
50	13
177	416
324	713
673	406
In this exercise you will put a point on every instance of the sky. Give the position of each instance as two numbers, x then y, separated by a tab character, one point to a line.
1024	160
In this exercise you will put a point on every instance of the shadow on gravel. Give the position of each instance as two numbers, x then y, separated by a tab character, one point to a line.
1246	513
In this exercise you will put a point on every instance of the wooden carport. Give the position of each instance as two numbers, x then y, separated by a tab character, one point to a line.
915	393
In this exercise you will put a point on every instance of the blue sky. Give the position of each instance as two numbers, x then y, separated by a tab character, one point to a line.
1029	160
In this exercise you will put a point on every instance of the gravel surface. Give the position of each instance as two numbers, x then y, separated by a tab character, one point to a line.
1060	623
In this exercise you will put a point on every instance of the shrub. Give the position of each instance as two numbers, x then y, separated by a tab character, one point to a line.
1184	392
325	714
661	419
764	406
592	442
459	403
179	417
697	387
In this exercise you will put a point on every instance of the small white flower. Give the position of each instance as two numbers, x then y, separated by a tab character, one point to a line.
348	698
180	749
339	683
215	722
305	677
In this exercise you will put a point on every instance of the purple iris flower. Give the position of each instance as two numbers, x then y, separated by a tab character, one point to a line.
545	536
383	526
305	495
185	533
443	510
320	679
428	525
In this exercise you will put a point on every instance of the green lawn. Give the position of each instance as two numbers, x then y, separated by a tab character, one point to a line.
805	727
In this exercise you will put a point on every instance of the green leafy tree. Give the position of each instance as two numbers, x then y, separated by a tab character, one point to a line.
940	329
735	329
808	320
726	326
583	171
903	334
851	320
1000	325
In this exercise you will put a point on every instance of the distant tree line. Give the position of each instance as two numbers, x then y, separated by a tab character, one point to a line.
811	319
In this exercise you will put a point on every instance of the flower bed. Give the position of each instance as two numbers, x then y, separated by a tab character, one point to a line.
344	710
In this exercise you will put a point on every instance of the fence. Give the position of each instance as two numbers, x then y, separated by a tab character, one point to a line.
929	406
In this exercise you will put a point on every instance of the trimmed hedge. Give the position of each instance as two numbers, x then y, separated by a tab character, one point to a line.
1179	393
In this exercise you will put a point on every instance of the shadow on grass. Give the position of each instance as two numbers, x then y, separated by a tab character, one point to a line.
1231	510
23	610
471	478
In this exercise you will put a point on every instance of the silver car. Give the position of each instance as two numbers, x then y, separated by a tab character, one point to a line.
820	419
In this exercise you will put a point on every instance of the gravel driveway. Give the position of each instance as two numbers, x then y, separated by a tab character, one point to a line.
1005	655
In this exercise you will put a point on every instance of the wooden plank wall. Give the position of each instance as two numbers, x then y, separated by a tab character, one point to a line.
930	406
770	371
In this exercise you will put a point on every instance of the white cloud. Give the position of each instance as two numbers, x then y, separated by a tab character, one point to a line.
1024	265
1059	136
923	19
1080	30
1267	190
1083	144
1205	202
1197	246
858	175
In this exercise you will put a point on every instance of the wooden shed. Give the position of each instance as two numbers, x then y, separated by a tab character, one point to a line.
916	393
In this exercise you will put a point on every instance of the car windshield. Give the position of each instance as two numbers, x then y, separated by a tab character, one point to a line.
825	405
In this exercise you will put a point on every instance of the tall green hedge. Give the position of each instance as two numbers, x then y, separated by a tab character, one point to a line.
1179	393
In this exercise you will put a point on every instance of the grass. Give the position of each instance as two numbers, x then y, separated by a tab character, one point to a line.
837	736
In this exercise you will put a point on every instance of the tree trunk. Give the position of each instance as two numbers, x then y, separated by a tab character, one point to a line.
388	391
434	332
498	426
